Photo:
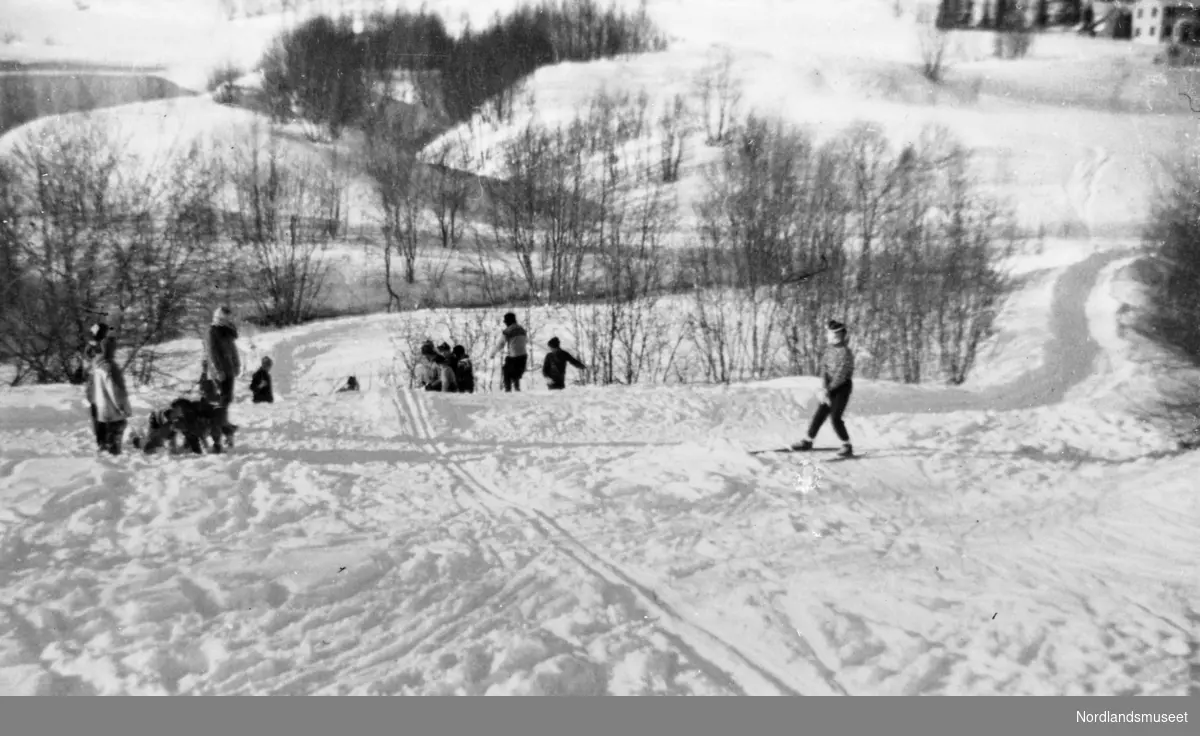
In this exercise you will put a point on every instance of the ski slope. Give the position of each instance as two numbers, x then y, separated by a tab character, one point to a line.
1026	535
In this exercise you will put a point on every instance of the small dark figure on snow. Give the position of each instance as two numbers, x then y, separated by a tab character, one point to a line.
838	384
351	385
554	366
464	372
261	390
516	359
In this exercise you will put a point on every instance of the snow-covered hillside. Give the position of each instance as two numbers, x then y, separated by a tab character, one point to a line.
1027	535
1030	532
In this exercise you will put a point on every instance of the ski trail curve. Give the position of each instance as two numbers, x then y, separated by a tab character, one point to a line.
1068	358
722	661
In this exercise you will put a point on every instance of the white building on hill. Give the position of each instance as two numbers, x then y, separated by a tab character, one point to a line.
1154	20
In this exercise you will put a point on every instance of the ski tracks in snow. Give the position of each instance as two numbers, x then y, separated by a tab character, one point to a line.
728	665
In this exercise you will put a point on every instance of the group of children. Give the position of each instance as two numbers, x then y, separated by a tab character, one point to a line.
196	420
440	368
450	370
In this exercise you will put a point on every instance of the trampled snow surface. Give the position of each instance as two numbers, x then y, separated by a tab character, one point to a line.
1024	536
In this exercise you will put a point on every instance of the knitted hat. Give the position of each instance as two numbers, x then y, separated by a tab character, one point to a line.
223	317
836	327
553	342
97	333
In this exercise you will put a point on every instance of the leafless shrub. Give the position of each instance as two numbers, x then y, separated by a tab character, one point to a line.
901	245
561	186
675	126
1014	37
933	43
287	212
720	93
92	230
398	181
451	186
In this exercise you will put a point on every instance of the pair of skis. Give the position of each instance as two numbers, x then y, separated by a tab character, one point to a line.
790	451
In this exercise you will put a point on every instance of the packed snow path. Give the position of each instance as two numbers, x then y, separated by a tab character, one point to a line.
1027	539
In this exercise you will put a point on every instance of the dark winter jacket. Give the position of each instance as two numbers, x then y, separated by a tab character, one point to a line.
554	366
223	358
464	375
260	387
839	366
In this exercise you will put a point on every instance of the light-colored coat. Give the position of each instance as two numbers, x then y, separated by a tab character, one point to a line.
513	342
107	392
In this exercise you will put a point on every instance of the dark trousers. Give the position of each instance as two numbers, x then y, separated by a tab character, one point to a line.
833	411
512	371
110	436
224	399
97	428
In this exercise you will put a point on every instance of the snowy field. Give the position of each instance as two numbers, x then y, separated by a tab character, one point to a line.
1027	533
1025	536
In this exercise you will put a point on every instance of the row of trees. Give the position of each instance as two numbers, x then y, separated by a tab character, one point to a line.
88	227
902	243
329	73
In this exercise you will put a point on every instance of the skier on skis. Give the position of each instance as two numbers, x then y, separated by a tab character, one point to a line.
838	383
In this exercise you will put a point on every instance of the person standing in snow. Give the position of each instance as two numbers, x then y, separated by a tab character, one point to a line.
516	358
224	363
107	393
260	383
96	337
838	384
554	366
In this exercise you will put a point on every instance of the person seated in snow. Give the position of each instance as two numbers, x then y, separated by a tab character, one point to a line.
351	385
107	392
448	355
838	384
261	391
516	358
427	373
554	366
445	381
464	372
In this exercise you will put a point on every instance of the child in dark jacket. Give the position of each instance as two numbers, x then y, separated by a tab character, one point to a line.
838	383
554	366
260	384
464	372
